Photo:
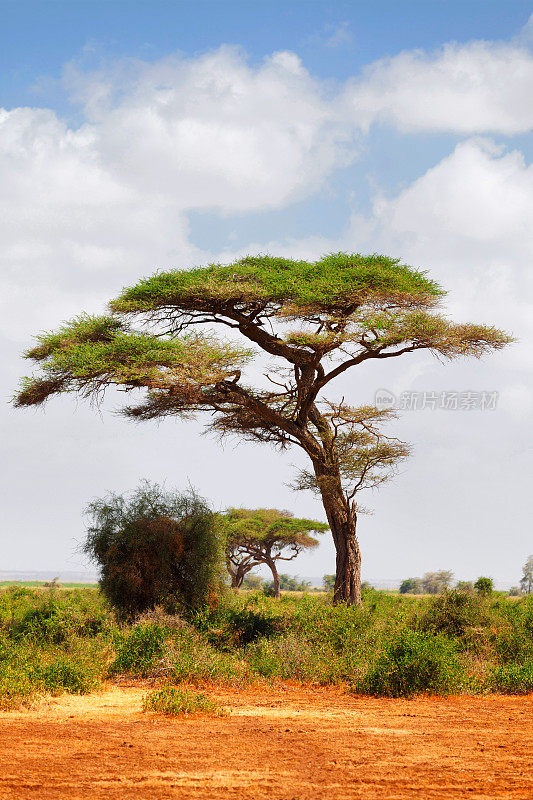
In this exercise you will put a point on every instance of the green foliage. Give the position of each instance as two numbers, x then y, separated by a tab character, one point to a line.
464	586
140	650
483	585
90	353
334	279
230	625
328	582
287	583
67	674
411	586
414	663
155	548
516	678
164	646
53	643
395	644
455	614
180	702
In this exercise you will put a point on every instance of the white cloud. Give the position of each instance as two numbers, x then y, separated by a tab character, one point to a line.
84	210
479	87
213	132
479	194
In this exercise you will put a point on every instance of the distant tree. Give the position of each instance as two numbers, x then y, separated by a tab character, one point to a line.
526	581
265	536
287	583
328	582
514	591
154	547
437	582
464	586
312	320
411	586
253	582
483	585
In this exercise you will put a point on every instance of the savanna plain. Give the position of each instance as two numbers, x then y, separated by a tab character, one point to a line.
407	696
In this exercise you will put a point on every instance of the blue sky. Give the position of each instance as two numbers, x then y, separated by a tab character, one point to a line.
334	38
140	135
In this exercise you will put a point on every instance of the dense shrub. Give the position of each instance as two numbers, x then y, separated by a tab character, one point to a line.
455	614
230	625
67	674
155	548
513	678
140	649
414	663
175	650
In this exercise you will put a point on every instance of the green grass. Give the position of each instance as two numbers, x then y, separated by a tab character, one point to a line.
43	584
177	702
59	640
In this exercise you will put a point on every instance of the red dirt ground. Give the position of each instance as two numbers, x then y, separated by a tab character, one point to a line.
282	743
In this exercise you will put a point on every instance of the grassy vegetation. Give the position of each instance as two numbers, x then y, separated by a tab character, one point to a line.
45	584
177	702
55	640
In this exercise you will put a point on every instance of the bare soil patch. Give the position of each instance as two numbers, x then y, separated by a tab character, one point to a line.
282	743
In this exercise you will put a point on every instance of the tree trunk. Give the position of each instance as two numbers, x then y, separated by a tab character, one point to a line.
275	577
342	520
237	576
348	567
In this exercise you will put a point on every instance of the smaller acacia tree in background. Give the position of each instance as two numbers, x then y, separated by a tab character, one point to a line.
155	548
437	582
264	536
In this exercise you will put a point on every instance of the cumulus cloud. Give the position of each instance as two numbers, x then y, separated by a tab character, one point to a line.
85	209
214	132
478	87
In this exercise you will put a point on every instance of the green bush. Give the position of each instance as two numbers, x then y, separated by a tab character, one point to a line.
66	641
155	548
180	702
140	649
174	650
64	674
484	585
455	614
513	678
228	625
414	663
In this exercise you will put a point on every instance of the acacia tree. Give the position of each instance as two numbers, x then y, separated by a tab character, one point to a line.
264	536
315	320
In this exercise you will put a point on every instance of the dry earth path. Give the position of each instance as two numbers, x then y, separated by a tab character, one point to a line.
282	743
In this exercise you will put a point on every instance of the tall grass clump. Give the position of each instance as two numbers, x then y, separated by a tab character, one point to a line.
176	702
